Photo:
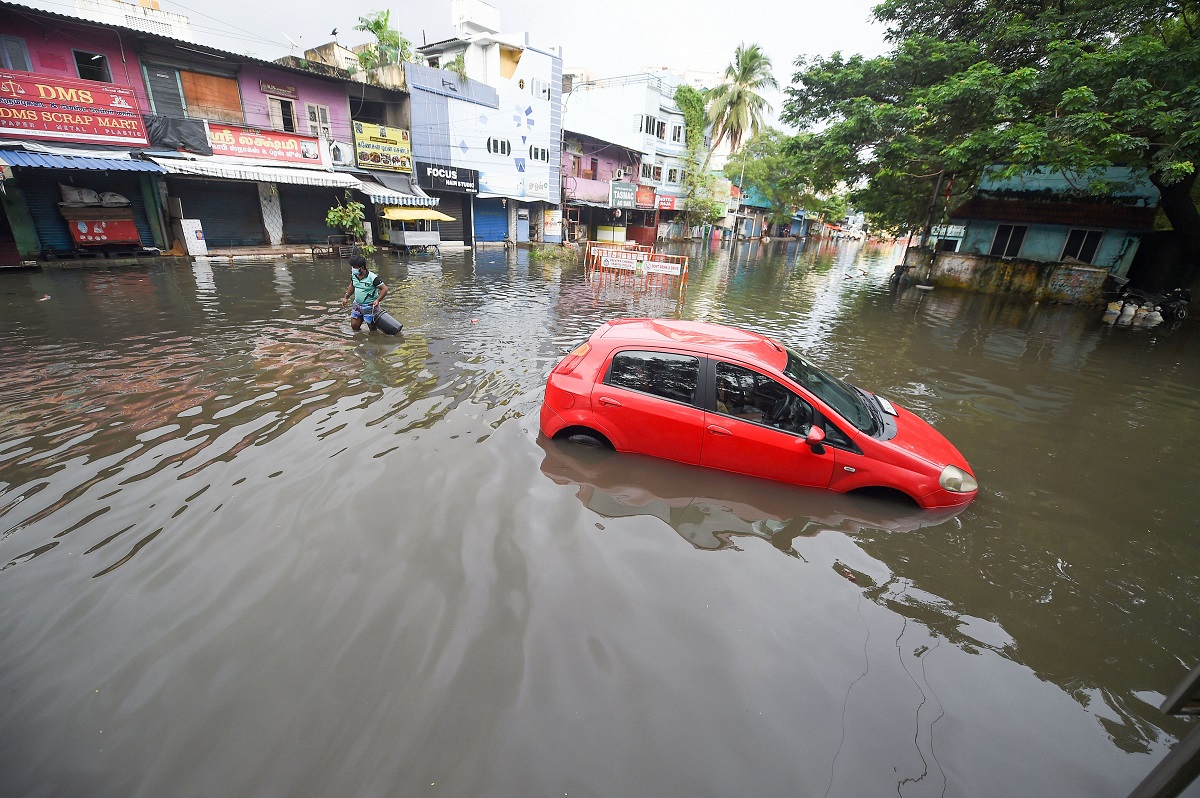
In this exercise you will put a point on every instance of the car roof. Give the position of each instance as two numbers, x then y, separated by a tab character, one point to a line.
699	336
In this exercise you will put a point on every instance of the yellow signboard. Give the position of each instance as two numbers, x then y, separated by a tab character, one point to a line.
382	147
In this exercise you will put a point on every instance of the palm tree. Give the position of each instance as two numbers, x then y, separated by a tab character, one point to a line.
736	107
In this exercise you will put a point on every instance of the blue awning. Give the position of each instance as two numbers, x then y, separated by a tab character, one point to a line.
45	161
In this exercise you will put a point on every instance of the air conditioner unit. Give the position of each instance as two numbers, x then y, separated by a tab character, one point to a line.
618	174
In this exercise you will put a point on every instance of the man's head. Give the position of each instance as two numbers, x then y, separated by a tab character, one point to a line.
359	264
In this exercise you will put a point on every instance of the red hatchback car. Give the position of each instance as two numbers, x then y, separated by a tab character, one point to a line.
725	398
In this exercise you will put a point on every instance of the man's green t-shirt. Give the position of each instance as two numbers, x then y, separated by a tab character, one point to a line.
366	290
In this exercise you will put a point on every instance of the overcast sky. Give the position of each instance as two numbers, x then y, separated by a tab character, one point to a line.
608	38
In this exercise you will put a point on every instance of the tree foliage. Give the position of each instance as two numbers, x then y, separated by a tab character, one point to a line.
701	205
736	106
776	172
1074	85
390	45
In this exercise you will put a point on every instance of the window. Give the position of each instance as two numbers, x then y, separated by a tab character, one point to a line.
672	175
13	55
540	89
677	133
283	114
595	169
499	146
1007	243
1082	245
657	174
318	120
92	66
661	132
649	124
540	154
647	170
750	396
664	374
575	166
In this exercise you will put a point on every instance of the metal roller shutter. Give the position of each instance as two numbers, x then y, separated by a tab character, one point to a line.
304	209
228	210
491	220
453	205
43	195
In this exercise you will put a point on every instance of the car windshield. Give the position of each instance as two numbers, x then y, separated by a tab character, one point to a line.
841	397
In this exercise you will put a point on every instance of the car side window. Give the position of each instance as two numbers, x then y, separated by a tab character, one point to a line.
750	396
664	374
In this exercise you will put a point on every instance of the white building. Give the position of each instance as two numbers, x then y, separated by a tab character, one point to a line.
504	123
144	15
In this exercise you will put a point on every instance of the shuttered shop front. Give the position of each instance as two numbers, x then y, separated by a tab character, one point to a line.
228	210
455	205
304	209
491	220
42	194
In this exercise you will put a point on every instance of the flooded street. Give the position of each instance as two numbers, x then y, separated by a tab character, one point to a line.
244	551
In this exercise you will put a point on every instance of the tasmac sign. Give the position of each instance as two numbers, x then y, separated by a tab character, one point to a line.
438	177
624	195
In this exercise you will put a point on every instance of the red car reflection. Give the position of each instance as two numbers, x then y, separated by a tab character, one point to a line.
730	399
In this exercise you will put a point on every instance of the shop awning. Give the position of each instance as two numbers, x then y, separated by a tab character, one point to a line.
49	161
259	174
414	214
383	195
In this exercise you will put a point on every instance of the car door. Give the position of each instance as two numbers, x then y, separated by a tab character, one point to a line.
649	398
758	427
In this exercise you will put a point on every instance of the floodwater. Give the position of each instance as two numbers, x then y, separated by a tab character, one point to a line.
244	551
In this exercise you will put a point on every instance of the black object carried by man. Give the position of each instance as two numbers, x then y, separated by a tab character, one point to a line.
387	322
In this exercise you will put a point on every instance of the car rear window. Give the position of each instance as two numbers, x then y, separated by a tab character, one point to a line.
664	374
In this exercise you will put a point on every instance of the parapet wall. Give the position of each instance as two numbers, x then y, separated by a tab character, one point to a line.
1060	282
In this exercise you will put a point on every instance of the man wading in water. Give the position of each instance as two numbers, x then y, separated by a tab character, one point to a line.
368	291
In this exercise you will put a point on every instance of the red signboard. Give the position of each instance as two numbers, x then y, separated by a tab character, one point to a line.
97	232
644	197
37	106
666	203
269	145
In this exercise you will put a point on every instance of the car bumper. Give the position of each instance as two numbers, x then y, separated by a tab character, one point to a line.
946	498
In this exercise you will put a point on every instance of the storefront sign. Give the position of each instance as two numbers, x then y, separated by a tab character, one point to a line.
437	177
341	153
91	233
666	203
267	87
644	197
552	222
65	109
382	147
269	145
948	231
623	195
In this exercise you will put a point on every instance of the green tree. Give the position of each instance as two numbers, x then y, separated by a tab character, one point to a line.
701	205
1073	85
775	171
736	106
390	45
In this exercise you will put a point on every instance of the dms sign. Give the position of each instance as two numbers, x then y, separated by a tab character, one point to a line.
36	106
436	177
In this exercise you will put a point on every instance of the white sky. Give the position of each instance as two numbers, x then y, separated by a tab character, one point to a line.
607	38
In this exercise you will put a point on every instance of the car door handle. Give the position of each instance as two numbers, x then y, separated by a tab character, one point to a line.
715	430
610	402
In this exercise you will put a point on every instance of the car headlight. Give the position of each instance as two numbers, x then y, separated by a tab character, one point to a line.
956	480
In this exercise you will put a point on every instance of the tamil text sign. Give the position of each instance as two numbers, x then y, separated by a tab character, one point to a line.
47	107
383	147
267	145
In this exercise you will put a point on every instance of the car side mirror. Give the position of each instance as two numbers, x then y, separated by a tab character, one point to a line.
815	439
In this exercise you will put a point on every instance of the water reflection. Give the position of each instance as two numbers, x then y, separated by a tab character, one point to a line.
207	485
709	508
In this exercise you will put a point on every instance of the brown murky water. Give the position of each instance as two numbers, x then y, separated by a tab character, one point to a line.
245	552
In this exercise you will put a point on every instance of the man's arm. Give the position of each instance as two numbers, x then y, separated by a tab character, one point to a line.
383	289
349	293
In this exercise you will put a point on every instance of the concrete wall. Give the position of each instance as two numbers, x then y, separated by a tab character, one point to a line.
1046	242
1059	282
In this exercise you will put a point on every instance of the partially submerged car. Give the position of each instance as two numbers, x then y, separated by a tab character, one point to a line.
730	399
